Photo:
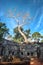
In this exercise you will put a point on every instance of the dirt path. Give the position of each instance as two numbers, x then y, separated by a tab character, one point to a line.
35	61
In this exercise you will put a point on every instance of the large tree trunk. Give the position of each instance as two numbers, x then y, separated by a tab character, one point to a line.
23	35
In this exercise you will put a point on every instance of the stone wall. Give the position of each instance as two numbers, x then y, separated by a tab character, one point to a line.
23	50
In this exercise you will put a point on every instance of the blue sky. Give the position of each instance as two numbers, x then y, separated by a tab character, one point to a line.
33	7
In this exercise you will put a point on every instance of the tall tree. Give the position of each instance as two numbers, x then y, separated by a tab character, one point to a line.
21	23
9	37
3	30
42	40
17	35
36	35
27	33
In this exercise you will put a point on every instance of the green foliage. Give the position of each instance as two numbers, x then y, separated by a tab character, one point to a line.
17	34
36	35
3	30
17	37
16	30
41	40
27	33
19	40
41	36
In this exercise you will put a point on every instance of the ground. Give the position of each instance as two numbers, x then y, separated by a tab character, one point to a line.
33	61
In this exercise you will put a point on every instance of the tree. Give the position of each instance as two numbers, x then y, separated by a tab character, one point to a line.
20	23
3	30
17	36
42	36
27	33
42	40
9	37
36	35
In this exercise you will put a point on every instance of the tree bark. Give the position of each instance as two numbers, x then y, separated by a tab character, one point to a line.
23	35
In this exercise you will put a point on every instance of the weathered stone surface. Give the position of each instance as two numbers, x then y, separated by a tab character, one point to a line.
9	48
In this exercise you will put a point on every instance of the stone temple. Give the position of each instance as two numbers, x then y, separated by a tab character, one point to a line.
9	48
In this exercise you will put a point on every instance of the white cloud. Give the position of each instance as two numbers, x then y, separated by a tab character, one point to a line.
36	14
39	23
41	31
36	1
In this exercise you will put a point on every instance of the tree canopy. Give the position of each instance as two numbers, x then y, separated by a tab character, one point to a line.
3	30
36	35
18	37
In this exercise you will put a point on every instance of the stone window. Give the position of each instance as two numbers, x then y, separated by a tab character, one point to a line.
12	53
31	53
21	53
28	53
